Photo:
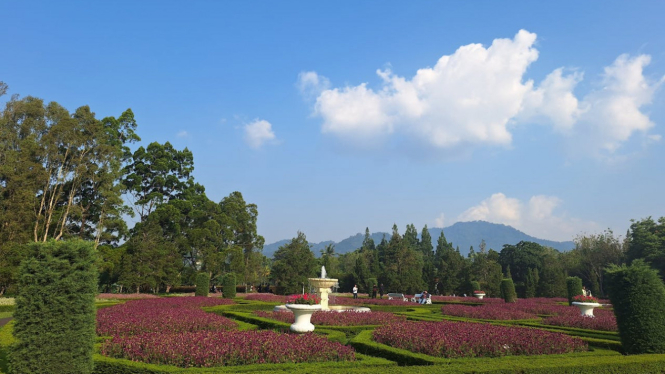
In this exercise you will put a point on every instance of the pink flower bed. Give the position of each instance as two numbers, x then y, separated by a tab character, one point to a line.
603	319
490	311
126	296
465	339
226	348
332	318
266	297
175	314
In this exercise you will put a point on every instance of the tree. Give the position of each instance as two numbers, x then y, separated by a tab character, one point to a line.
646	240
521	257
596	252
293	263
403	266
487	272
450	266
427	249
552	281
156	175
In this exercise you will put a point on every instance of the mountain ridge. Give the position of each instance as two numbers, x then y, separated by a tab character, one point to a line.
461	234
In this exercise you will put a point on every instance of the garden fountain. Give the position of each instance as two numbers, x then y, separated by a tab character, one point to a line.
323	287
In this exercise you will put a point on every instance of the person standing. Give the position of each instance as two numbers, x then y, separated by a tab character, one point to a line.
374	289
355	291
381	291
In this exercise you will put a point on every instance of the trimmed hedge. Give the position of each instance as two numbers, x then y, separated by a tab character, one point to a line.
638	297
229	286
508	290
475	286
598	361
574	286
55	309
202	284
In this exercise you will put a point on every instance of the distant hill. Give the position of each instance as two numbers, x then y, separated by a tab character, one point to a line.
462	234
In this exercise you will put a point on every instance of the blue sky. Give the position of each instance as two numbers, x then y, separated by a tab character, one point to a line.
334	117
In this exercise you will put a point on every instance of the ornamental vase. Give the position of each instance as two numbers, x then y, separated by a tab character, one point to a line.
586	309
303	314
479	295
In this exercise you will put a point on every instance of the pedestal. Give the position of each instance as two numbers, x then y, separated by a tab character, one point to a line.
479	295
586	309
303	314
323	292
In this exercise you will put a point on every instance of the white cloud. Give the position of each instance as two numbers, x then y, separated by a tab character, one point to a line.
439	221
182	134
475	95
537	217
258	133
311	84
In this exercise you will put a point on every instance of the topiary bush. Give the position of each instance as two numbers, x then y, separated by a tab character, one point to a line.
508	290
475	286
202	284
574	285
54	320
638	297
229	286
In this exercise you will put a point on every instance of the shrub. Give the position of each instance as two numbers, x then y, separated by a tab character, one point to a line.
508	290
574	285
55	309
229	286
202	284
475	286
638	297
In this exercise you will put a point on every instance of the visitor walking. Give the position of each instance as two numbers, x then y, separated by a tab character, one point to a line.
374	290
355	291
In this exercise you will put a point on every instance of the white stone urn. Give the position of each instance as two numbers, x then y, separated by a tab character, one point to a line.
586	309
479	295
303	314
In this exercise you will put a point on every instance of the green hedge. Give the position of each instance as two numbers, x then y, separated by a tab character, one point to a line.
508	290
475	286
202	284
598	361
638	297
54	320
229	286
574	286
107	365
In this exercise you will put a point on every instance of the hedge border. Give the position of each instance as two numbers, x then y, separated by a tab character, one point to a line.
595	361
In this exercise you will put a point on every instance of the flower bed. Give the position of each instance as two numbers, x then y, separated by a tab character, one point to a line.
126	296
7	301
333	318
266	297
603	320
465	339
490	311
176	314
226	348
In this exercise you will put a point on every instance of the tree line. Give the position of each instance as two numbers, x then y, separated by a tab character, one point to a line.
411	263
70	175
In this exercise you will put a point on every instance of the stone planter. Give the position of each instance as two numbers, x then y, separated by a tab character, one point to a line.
479	295
303	314
586	309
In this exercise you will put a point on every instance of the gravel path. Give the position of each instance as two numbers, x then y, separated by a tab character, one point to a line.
3	321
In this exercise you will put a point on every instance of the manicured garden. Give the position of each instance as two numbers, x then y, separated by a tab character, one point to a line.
212	334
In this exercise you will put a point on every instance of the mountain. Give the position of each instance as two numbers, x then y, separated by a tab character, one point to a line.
461	234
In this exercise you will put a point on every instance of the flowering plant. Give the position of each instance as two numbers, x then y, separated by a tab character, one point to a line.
478	292
306	298
585	299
